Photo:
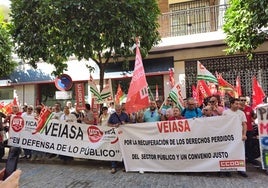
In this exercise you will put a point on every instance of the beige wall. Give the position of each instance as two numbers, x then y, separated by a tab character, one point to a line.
26	94
177	1
198	53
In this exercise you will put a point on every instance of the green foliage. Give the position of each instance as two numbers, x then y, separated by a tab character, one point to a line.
245	21
53	30
7	65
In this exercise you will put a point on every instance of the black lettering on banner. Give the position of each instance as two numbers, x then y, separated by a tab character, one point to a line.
193	156
220	155
224	138
98	152
37	143
127	142
135	156
183	156
61	147
166	157
31	123
75	149
172	142
64	131
15	140
180	141
148	156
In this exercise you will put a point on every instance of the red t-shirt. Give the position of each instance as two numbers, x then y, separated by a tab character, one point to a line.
175	118
248	112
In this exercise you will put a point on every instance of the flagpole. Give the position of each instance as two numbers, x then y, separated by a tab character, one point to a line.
150	91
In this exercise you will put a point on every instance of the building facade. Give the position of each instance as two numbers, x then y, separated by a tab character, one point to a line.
191	31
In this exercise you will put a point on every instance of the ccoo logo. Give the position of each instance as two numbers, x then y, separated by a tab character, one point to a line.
94	134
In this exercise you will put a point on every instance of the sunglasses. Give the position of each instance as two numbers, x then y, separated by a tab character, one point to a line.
244	100
212	101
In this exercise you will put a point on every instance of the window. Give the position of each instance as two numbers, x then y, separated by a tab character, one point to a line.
192	17
151	80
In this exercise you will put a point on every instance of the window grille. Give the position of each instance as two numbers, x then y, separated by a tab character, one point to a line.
231	67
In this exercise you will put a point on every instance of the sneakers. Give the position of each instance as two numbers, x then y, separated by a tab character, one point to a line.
243	174
113	171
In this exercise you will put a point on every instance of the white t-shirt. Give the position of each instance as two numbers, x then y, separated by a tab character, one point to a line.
238	113
68	118
57	115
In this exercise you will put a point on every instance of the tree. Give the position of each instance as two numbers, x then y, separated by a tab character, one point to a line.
53	30
7	65
245	24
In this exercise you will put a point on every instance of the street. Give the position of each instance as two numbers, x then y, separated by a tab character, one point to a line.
89	173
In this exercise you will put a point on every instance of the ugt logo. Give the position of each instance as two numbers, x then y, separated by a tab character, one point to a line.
17	123
94	134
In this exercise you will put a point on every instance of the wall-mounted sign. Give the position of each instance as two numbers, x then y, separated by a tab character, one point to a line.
63	94
63	82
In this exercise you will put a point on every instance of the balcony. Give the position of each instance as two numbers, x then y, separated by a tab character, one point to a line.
192	21
191	28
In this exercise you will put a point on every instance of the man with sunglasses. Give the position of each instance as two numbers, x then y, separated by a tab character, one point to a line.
191	110
215	108
151	114
251	141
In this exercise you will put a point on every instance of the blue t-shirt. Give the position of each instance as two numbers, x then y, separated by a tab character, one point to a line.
114	118
187	113
151	116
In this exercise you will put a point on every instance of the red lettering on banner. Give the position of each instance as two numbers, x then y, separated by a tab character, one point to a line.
232	163
263	128
173	126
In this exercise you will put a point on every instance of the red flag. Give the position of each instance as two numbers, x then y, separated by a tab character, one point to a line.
15	102
7	109
203	91
225	86
119	94
194	92
80	96
156	93
137	97
257	93
2	104
171	77
42	120
238	86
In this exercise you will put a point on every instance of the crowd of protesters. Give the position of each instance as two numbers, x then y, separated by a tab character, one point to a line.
115	115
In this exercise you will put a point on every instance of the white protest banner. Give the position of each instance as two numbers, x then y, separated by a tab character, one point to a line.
262	115
70	139
201	144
